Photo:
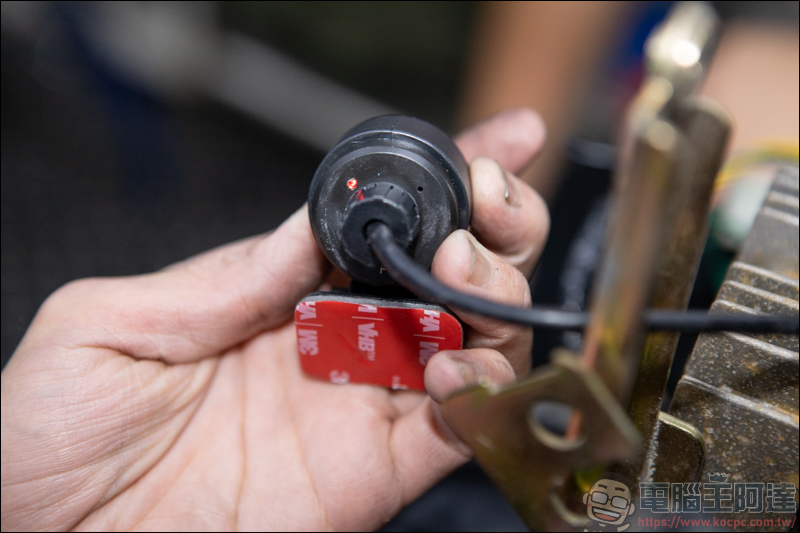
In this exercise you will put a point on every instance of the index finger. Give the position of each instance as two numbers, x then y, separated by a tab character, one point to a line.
511	138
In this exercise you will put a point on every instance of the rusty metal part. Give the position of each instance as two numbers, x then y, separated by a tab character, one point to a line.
677	53
757	299
663	207
706	126
742	391
676	452
536	469
613	338
524	458
671	143
763	279
761	371
681	49
773	222
670	156
790	342
749	439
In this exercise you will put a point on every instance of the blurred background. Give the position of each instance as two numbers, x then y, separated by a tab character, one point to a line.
135	134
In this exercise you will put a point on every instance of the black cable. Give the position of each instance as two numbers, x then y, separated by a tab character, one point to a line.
419	281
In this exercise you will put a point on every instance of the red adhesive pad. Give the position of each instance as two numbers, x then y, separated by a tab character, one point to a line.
350	339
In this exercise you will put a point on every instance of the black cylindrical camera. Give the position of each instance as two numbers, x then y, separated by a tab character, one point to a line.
394	169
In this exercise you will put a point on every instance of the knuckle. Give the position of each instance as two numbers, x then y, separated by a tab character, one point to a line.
539	212
520	226
503	367
501	337
490	363
68	296
514	286
485	170
530	125
69	291
511	288
492	219
526	127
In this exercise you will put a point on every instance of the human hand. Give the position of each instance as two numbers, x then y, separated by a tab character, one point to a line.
175	400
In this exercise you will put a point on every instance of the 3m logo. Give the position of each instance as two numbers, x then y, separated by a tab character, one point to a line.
430	322
355	339
308	344
307	310
426	351
366	340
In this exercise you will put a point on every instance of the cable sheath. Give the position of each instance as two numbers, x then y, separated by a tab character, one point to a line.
419	281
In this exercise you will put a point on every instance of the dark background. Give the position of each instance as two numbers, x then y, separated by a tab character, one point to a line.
101	177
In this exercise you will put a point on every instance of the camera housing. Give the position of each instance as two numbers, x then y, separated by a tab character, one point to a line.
394	169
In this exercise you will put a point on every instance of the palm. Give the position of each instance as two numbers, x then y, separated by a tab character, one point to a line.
242	440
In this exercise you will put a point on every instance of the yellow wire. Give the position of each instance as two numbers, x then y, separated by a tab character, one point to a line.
767	151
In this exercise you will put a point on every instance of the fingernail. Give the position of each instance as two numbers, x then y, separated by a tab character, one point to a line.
483	269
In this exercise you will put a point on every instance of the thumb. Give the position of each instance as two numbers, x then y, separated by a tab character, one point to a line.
193	309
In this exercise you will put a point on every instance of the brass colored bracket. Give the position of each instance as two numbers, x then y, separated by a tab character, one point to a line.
673	147
676	453
499	426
